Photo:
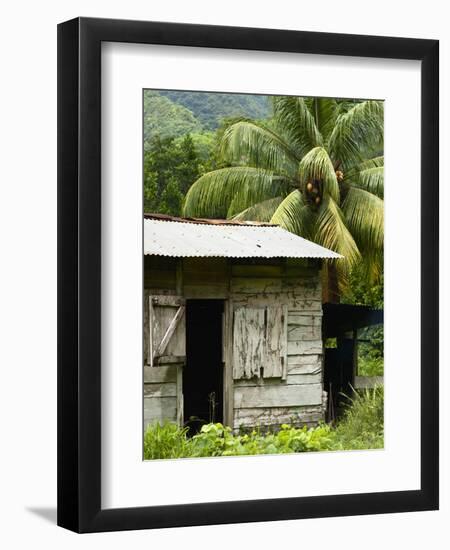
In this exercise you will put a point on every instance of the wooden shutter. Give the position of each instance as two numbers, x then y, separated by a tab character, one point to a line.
276	342
167	330
248	342
260	342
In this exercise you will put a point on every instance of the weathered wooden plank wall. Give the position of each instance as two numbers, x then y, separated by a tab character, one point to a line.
160	394
298	398
192	278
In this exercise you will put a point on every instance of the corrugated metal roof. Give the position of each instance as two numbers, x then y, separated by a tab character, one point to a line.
210	238
208	221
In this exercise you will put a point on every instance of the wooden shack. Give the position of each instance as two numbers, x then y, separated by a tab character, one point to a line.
232	324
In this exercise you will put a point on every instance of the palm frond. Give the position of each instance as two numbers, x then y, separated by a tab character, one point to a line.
317	165
332	232
249	143
295	215
372	180
293	115
211	195
325	112
374	162
368	175
357	133
260	212
249	193
364	214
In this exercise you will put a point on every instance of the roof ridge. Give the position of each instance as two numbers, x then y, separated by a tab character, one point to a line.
206	221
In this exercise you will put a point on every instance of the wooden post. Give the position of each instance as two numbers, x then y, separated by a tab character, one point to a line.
179	277
228	396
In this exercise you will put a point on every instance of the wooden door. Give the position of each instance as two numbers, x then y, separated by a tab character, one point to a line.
165	359
167	325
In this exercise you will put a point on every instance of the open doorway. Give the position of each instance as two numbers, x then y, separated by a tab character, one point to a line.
203	373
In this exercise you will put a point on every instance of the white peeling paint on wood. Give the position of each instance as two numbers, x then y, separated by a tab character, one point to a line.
248	344
298	333
275	359
260	342
278	396
275	416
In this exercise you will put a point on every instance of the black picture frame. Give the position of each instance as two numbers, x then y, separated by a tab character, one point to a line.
79	274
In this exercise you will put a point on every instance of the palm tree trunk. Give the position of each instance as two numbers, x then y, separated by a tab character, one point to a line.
330	285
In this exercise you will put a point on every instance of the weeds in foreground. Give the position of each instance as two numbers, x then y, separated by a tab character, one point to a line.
360	428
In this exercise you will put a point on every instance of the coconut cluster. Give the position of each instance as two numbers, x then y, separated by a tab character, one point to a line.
313	188
314	191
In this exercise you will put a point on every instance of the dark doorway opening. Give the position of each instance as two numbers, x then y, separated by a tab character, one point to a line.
203	373
339	375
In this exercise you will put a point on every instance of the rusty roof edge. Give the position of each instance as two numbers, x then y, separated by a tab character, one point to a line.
205	221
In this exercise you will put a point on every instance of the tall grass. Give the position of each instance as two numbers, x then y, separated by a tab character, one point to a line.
165	441
362	426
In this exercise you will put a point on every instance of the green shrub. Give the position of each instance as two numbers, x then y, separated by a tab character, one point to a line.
169	441
218	440
362	426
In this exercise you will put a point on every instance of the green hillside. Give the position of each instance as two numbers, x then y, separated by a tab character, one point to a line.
164	118
210	108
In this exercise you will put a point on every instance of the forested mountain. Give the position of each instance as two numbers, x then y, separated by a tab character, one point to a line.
181	132
211	108
164	118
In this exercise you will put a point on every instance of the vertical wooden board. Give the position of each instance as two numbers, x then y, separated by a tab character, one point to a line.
146	350
180	398
228	402
276	344
179	277
248	342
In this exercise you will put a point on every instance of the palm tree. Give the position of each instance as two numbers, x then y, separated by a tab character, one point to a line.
315	169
